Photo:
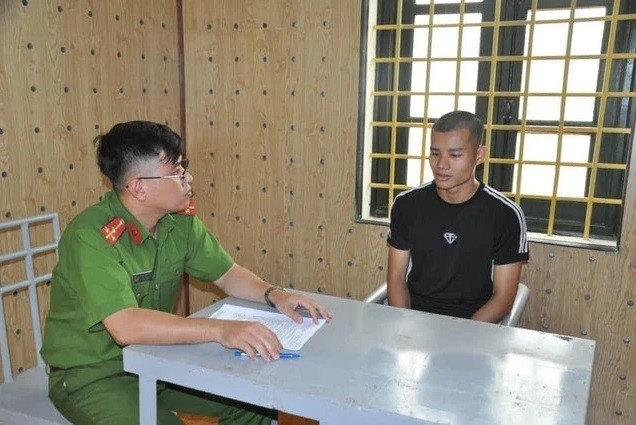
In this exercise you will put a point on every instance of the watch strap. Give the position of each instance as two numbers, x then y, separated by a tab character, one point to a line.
269	291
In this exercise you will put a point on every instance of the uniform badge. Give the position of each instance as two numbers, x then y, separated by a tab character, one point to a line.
113	230
190	210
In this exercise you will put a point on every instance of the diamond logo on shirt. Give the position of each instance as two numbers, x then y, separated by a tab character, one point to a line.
450	237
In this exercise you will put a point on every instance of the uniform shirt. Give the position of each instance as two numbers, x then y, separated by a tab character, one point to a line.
94	279
453	247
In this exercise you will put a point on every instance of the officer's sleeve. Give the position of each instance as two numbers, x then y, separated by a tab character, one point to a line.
101	283
206	259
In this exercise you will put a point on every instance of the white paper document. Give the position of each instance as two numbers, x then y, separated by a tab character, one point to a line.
291	334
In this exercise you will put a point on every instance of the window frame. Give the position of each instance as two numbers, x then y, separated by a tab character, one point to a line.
503	112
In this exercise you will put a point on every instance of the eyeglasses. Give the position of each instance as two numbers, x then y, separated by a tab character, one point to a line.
184	163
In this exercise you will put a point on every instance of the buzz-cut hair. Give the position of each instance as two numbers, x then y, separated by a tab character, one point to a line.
457	120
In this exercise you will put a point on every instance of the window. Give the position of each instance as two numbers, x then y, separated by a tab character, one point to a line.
552	82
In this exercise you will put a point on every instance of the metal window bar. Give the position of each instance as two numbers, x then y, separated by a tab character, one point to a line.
395	98
26	255
603	105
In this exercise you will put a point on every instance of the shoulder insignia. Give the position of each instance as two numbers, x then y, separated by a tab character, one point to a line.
113	230
190	210
135	234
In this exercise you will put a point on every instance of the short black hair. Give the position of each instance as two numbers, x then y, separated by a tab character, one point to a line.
457	120
129	143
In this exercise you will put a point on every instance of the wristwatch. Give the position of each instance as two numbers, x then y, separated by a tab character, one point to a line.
269	291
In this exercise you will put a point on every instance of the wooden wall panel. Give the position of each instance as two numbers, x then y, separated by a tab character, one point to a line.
70	70
271	110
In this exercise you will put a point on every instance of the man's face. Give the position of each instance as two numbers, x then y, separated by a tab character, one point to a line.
171	191
453	158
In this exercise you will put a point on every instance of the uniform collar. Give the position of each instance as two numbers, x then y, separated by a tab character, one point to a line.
137	231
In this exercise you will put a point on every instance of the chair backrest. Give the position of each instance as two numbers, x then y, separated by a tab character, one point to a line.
378	296
21	229
512	318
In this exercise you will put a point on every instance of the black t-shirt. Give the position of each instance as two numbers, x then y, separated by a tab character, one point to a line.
454	247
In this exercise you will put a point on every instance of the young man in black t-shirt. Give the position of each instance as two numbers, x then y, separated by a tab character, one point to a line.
456	245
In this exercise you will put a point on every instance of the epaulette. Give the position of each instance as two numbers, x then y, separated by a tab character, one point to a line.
190	210
113	230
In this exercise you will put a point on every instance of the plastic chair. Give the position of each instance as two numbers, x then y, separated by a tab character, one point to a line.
379	296
512	318
24	396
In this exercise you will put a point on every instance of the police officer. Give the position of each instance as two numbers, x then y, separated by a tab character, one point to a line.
120	266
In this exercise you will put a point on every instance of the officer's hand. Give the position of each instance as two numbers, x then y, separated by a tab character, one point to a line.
254	338
290	303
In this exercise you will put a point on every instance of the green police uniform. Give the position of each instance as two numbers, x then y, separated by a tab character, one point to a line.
107	262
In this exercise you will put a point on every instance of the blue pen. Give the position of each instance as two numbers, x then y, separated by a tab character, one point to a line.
282	355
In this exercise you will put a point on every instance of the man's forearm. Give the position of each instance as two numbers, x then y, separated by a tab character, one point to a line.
241	283
493	311
146	326
398	293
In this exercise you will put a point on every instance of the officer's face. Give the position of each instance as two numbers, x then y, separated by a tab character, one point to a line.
170	188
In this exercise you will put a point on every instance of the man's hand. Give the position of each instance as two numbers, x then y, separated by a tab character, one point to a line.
241	283
289	303
253	338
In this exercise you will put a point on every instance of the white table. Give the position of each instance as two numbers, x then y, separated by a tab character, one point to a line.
379	365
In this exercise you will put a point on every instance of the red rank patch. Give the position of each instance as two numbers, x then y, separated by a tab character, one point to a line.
135	234
113	230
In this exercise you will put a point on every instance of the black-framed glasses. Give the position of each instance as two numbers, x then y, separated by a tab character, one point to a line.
184	163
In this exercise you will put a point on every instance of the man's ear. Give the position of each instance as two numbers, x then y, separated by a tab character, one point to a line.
137	189
480	155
